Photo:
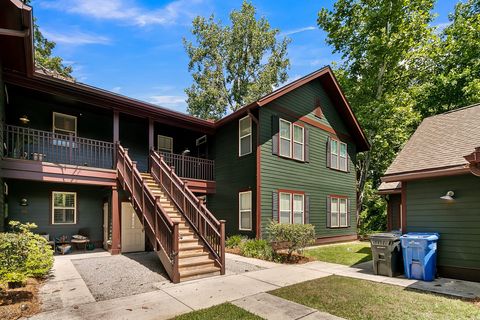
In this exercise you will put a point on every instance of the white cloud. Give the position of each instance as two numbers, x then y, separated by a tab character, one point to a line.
75	38
441	26
168	101
127	11
299	30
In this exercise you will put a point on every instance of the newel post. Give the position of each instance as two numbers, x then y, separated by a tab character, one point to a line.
222	246
184	195
134	165
172	171
199	217
155	207
175	249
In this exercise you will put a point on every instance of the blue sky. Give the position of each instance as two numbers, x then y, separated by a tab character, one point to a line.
134	47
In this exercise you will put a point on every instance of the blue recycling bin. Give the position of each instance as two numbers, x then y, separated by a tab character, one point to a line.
420	255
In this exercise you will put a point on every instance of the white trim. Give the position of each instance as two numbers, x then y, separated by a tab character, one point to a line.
240	211
167	138
280	138
303	207
336	164
54	128
240	137
280	206
301	143
338	212
74	207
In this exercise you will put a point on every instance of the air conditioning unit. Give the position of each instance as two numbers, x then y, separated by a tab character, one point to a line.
201	140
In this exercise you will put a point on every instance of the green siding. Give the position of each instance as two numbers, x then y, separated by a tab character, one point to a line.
314	178
457	222
233	174
89	207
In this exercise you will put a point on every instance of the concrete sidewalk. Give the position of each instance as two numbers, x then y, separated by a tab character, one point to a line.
73	300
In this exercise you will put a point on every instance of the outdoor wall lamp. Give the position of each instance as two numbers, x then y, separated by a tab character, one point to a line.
185	152
24	120
448	196
23	202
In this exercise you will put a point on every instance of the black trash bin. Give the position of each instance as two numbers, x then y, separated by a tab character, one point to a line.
387	254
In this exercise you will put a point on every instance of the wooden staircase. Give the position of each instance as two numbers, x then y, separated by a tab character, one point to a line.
187	238
194	260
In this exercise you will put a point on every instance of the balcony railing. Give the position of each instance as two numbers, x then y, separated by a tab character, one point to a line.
190	167
38	145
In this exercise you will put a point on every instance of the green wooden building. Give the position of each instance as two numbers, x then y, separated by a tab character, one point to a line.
433	186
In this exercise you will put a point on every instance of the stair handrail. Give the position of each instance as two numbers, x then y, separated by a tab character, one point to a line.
217	248
128	174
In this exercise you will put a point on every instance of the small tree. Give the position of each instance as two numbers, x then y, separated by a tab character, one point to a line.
294	236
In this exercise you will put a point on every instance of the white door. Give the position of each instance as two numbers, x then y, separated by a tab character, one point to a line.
133	236
105	225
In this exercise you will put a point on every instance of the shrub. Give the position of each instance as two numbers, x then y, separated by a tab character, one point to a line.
234	241
295	237
254	248
23	254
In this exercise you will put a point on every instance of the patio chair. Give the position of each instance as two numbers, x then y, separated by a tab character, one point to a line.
50	242
82	238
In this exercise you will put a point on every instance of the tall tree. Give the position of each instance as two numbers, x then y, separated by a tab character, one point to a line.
455	77
233	65
44	57
384	44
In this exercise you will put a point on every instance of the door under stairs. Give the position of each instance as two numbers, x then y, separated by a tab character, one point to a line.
188	239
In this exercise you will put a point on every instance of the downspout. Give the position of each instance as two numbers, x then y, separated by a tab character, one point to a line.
258	195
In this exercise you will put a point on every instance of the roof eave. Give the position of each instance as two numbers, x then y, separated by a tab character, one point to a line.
426	173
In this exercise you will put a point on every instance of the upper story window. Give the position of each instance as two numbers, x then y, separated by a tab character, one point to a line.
338	155
244	136
292	207
292	147
64	207
165	144
64	123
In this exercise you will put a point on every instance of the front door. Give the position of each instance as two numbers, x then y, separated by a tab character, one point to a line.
133	236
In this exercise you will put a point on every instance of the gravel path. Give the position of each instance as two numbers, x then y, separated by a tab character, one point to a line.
121	275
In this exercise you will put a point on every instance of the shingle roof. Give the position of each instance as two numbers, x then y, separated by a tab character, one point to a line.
386	186
440	141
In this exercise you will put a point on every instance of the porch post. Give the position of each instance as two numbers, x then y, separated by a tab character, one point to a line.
116	135
151	143
116	240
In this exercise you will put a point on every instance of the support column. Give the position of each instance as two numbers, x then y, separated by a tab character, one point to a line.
116	135
151	141
116	218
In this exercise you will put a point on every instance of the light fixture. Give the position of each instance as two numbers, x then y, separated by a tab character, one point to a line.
185	152
24	120
23	202
448	196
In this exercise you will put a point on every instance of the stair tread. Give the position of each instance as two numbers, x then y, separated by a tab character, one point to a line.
187	254
198	271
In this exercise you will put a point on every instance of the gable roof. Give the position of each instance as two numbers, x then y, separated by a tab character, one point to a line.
440	142
327	78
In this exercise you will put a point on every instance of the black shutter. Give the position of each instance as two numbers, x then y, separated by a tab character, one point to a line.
349	213
275	206
275	134
307	209
307	145
329	148
329	212
348	161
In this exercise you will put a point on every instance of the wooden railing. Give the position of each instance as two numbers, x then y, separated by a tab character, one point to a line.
209	229
159	227
190	167
38	145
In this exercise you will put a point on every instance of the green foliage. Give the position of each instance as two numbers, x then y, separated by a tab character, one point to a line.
23	254
294	236
44	53
257	248
374	215
235	241
233	65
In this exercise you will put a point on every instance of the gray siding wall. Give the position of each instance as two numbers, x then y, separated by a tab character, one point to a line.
458	222
134	136
89	207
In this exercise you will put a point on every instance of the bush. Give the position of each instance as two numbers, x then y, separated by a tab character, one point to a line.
259	249
235	241
295	237
23	254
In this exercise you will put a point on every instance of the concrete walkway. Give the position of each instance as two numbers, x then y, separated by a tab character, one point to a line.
66	296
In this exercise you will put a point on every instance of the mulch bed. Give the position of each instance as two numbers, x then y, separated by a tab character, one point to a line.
20	302
281	256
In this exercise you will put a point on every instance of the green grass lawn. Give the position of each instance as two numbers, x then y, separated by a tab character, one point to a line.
226	311
347	254
356	299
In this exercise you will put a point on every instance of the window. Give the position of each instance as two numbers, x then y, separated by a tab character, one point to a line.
165	144
298	142
244	136
245	210
338	155
292	208
285	138
64	123
64	207
292	147
285	207
338	212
